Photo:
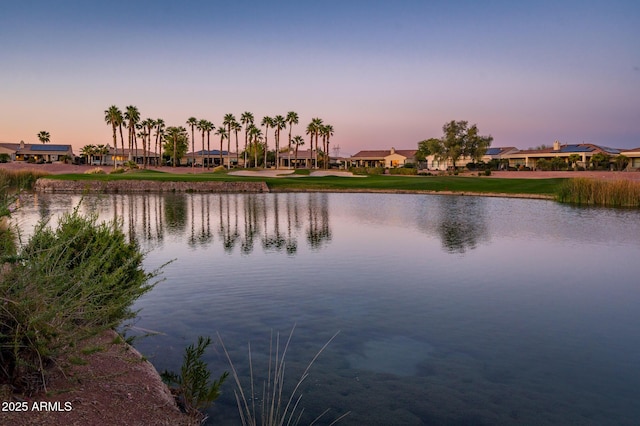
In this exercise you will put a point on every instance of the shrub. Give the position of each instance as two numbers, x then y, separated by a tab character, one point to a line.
95	171
68	283
487	172
4	158
192	386
117	171
403	171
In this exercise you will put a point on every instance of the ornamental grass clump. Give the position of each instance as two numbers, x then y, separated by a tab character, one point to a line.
618	193
19	179
67	283
275	407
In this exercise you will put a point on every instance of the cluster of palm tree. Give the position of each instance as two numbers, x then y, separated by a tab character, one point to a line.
91	151
255	139
131	119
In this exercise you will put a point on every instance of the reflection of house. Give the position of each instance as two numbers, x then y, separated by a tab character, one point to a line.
36	152
383	158
585	151
634	157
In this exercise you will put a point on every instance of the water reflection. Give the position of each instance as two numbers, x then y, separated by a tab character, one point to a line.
462	223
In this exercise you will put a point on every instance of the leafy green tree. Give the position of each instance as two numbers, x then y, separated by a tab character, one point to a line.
621	161
475	145
573	159
176	143
600	161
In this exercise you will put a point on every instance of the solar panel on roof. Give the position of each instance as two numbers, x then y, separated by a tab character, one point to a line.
576	148
49	147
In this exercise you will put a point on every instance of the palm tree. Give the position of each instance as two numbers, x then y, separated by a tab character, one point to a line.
236	128
317	125
120	122
311	131
266	122
202	126
223	135
326	131
44	137
193	122
102	150
292	118
297	141
229	120
147	126
88	151
256	135
279	123
159	135
246	119
132	115
113	117
209	127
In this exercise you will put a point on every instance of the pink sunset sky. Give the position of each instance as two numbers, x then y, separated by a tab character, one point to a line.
382	73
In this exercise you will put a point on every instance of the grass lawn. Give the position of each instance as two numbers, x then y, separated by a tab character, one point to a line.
385	183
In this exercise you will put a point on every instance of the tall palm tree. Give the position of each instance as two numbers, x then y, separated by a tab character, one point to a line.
229	120
113	118
209	127
44	137
193	122
256	135
120	123
297	141
292	118
132	115
202	126
266	122
327	132
147	126
223	135
279	123
317	125
246	119
236	128
159	134
311	131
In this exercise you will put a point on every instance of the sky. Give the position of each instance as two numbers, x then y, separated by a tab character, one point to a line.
383	73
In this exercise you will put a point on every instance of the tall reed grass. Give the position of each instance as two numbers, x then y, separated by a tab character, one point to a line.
617	193
19	179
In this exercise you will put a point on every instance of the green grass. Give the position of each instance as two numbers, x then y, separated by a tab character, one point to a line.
375	183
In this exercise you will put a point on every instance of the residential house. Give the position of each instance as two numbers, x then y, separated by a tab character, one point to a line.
530	157
36	152
212	158
383	158
634	157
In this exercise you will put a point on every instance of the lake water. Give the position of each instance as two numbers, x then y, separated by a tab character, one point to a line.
451	310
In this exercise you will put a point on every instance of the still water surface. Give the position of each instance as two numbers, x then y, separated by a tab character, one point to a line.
451	310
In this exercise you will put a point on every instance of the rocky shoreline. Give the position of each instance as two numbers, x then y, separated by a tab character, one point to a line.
136	186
